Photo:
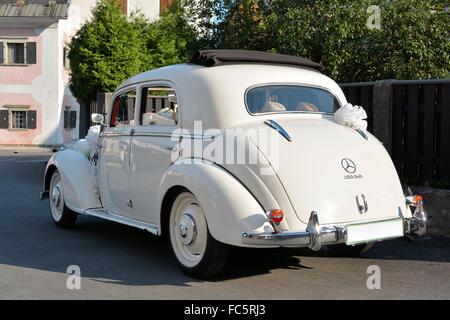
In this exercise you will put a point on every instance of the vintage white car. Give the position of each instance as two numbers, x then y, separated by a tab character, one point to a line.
234	148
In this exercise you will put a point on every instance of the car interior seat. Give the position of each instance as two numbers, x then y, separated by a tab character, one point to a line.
271	106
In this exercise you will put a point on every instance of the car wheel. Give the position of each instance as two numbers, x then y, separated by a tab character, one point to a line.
62	216
197	253
342	250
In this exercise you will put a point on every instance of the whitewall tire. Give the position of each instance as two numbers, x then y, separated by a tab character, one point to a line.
197	253
62	216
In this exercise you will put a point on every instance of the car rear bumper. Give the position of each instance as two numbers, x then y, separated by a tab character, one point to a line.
316	236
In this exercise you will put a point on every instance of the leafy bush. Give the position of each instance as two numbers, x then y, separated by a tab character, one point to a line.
412	43
110	48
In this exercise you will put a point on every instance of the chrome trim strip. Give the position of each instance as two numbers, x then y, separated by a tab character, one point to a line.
153	134
279	128
171	135
364	135
116	134
198	136
122	220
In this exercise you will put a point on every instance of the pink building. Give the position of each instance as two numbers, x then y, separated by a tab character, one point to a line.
36	105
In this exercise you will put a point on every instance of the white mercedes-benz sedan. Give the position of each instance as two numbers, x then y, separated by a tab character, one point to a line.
234	148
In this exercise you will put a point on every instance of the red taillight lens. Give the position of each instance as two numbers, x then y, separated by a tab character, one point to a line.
276	216
415	200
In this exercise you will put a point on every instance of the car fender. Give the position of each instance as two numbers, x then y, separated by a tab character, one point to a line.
229	207
79	184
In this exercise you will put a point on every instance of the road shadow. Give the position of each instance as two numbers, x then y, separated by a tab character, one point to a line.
104	251
247	262
429	248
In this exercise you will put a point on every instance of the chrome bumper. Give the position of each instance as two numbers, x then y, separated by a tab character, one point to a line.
316	236
415	225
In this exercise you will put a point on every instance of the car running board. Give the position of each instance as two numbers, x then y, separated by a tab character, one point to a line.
119	219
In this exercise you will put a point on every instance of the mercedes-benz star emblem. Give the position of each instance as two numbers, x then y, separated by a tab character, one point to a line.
348	165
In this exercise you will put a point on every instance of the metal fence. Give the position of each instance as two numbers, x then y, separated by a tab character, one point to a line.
418	114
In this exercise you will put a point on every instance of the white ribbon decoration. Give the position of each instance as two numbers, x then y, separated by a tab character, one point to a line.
351	116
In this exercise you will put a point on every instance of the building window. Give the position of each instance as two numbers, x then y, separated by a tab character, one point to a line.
17	118
124	6
164	5
70	118
16	53
66	62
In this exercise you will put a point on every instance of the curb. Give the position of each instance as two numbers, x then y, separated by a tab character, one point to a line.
14	149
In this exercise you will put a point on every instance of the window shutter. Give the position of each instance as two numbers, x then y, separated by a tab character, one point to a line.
66	119
3	119
31	52
31	119
73	119
123	4
1	52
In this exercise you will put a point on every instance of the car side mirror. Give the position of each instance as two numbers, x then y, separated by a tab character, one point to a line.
97	118
173	97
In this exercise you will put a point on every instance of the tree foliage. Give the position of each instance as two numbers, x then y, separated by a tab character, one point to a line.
412	43
111	47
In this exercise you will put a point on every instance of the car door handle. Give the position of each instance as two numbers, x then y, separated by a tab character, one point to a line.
170	148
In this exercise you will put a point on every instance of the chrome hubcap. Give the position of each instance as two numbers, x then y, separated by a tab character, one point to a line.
56	194
56	197
188	230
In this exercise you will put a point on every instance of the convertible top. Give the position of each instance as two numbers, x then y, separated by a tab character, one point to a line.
211	58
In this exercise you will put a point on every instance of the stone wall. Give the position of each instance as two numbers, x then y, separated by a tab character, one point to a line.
437	207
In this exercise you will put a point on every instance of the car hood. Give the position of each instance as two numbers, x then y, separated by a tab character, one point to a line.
333	170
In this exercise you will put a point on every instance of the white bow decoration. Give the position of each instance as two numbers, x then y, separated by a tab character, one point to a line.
351	116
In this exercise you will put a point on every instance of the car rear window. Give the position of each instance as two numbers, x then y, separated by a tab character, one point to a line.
290	98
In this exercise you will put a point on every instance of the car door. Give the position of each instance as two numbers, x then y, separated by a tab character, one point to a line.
114	157
153	148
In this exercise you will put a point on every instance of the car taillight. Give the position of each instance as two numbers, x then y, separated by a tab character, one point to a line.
275	215
415	200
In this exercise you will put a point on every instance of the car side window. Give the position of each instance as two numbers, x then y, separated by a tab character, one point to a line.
159	106
123	109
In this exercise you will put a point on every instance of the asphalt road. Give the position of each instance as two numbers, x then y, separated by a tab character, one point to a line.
119	262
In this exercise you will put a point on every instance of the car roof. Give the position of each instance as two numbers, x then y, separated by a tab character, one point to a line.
216	95
211	58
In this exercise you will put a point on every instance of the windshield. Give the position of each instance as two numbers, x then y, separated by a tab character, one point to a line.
290	98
